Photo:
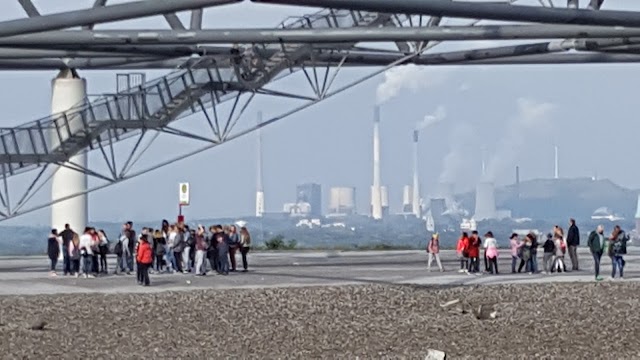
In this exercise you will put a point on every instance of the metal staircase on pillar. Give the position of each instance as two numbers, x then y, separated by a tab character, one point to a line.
154	105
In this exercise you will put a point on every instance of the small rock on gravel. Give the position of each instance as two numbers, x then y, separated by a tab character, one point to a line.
435	355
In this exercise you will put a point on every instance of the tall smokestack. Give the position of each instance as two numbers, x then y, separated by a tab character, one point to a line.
556	163
259	189
376	193
416	181
518	181
483	155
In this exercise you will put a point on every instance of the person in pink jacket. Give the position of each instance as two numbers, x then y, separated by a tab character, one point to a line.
515	246
433	249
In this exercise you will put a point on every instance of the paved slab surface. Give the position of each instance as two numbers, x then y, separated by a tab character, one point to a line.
28	275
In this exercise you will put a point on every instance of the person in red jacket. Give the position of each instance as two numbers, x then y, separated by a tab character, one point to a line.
474	252
463	252
144	257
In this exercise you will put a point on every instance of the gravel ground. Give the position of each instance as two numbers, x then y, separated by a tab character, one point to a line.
563	321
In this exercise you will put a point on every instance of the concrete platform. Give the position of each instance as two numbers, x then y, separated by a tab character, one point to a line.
29	276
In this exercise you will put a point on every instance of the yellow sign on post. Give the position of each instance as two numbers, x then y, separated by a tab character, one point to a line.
184	194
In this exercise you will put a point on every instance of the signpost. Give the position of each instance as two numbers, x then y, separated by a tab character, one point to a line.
183	199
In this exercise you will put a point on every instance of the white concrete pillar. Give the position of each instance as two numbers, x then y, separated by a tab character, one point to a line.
67	91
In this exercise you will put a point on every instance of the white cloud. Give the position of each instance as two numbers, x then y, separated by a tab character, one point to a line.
411	77
533	117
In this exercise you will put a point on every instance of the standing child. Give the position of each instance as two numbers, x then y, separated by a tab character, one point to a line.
515	245
74	255
558	261
462	249
474	253
144	258
549	248
433	248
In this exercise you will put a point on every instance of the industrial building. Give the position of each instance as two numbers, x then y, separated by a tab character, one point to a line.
299	209
311	194
486	204
342	201
407	199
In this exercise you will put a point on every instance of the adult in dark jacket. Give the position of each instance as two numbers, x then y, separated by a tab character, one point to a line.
222	244
67	237
212	250
596	243
53	250
617	250
573	241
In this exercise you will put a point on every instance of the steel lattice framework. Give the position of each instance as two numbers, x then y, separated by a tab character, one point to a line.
217	73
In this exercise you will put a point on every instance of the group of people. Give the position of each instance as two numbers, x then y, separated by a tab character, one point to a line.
524	251
172	248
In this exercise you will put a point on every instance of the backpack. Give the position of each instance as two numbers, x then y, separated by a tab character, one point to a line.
118	248
623	246
75	253
619	246
160	250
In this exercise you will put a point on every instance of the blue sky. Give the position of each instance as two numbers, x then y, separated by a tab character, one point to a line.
516	112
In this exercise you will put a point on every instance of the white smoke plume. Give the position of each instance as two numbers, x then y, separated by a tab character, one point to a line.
457	161
431	119
410	77
533	118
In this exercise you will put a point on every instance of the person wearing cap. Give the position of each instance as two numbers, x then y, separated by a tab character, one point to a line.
433	249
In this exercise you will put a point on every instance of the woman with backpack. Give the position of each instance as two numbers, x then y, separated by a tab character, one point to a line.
433	251
617	249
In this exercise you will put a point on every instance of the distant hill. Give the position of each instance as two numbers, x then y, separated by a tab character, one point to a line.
552	199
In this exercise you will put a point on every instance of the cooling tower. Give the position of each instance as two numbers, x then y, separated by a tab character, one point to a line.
384	200
342	200
407	205
444	190
485	202
416	181
556	164
376	191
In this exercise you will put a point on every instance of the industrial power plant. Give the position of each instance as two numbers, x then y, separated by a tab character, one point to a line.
439	208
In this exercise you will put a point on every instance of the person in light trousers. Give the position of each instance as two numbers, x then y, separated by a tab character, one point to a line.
433	249
201	249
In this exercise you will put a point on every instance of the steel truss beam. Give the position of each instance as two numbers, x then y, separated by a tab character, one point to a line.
247	71
102	14
470	9
315	36
123	169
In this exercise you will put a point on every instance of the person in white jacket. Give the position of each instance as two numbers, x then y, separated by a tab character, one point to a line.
86	243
